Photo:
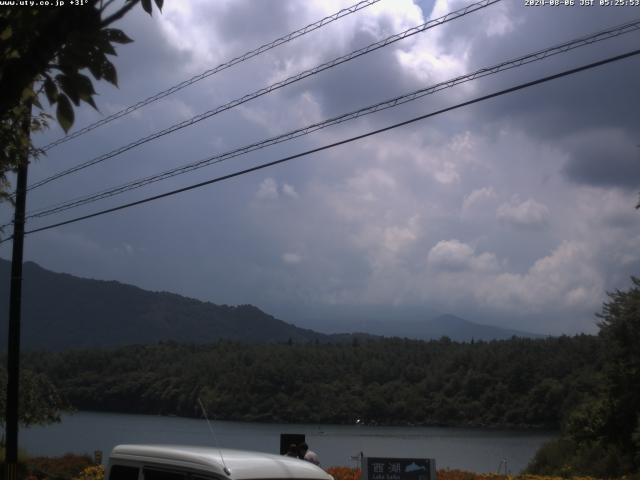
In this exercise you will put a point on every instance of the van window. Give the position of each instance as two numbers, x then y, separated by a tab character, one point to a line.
201	477
153	474
123	472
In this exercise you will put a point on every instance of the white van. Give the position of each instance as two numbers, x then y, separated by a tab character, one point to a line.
170	462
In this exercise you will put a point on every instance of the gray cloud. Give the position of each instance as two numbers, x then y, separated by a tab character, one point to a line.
527	214
602	96
452	255
604	158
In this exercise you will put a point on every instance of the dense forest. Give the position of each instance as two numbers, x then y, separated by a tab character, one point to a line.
519	382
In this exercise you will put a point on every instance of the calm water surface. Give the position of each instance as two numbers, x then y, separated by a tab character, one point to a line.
470	449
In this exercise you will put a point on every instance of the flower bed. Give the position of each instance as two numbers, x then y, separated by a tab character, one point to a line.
346	473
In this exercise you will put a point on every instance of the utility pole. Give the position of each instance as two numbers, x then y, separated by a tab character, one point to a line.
15	300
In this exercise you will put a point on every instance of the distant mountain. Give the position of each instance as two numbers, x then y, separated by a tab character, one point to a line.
422	327
63	311
461	330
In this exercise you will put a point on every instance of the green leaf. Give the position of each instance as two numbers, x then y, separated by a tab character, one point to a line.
68	87
83	84
78	87
116	36
89	99
96	59
64	113
146	4
85	89
27	94
109	72
6	33
51	90
105	45
159	4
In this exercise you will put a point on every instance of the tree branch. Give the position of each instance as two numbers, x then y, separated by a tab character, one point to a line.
119	14
106	5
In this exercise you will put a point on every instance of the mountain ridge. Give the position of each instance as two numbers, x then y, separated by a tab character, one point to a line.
62	311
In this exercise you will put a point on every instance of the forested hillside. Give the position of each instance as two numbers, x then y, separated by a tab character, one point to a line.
519	382
62	311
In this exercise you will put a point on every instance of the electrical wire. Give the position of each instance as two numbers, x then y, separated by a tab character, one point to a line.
275	86
223	66
341	142
590	39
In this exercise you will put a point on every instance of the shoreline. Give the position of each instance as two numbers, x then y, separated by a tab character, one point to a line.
273	421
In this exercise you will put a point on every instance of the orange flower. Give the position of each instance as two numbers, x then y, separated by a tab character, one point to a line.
344	473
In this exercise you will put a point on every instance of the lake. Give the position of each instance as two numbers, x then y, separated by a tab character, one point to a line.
479	450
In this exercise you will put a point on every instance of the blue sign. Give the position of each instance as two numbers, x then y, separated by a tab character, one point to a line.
378	468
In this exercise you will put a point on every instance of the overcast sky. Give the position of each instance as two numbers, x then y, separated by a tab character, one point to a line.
517	212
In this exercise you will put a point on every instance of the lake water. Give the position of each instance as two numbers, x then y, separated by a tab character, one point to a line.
477	450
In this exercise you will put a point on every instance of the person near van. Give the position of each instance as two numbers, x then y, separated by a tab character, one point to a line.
308	455
292	451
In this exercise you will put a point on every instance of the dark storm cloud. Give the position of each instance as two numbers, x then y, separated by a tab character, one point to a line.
378	75
601	97
150	61
598	100
249	22
357	83
605	159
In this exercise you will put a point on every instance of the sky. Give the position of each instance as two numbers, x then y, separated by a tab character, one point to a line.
516	212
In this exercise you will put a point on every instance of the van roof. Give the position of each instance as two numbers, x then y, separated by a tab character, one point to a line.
243	465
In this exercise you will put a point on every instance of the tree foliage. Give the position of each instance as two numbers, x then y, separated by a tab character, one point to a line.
50	52
601	435
40	402
520	382
620	331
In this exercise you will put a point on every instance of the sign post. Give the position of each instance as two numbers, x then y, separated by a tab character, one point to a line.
379	468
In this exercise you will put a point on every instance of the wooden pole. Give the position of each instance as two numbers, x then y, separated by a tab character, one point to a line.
15	300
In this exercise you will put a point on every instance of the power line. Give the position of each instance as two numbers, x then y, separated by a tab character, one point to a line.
275	86
223	66
483	72
341	142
